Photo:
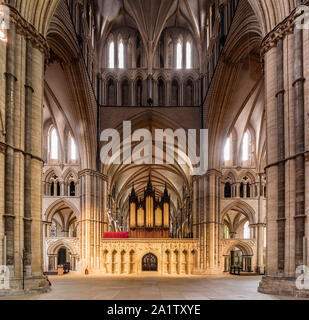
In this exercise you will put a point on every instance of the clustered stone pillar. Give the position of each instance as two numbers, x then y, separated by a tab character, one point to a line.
213	227
206	224
27	167
93	217
9	215
286	54
299	112
22	106
198	218
281	155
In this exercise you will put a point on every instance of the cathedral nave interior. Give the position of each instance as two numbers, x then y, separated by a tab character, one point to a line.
73	68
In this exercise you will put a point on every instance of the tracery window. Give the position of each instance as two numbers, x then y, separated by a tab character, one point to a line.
73	149
227	150
188	55
53	144
227	190
161	93
121	55
72	189
111	55
245	147
175	93
246	230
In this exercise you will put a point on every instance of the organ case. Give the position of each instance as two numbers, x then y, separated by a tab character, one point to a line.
149	217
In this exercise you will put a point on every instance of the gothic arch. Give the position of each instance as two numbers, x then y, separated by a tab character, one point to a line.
125	85
55	206
250	174
54	247
242	245
52	171
242	207
68	172
229	176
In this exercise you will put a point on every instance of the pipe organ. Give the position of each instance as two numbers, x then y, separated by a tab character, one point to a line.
149	217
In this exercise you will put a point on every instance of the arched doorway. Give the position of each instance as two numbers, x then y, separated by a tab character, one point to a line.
235	258
64	259
62	256
149	262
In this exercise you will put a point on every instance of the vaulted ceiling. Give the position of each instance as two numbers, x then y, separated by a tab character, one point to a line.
151	17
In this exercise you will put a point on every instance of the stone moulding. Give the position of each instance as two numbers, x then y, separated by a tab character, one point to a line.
90	172
28	31
281	30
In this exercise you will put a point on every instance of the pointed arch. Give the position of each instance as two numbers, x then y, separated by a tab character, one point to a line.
125	92
175	93
242	245
55	246
55	206
242	207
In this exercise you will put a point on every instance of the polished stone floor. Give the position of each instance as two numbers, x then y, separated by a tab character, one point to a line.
152	287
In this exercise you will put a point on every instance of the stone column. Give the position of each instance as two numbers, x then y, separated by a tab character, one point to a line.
116	54
195	210
27	179
281	155
93	217
133	64
201	219
165	57
272	148
299	109
118	93
212	219
184	54
237	187
19	100
174	53
9	215
52	262
227	263
285	69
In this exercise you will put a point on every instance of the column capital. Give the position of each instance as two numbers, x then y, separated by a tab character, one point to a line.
281	31
24	28
90	172
214	172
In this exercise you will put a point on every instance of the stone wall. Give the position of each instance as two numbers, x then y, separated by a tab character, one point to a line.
175	256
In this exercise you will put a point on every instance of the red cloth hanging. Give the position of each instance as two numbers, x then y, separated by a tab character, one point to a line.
116	235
